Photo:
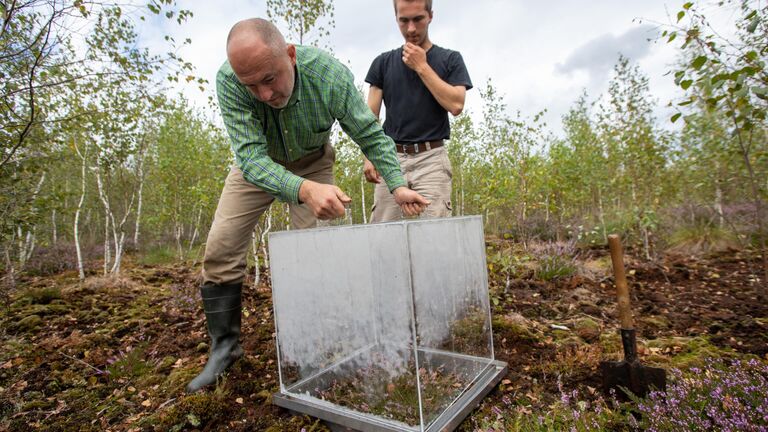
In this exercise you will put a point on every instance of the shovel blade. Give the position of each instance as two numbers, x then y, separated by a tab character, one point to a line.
632	376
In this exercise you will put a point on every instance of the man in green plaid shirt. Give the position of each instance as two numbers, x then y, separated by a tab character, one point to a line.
279	103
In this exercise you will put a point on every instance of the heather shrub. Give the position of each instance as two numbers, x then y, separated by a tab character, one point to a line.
727	396
572	413
555	260
51	260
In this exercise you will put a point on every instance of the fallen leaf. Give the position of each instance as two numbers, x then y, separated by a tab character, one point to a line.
146	403
506	382
239	400
131	389
7	365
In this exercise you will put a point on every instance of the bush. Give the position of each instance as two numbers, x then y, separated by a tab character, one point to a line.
702	239
555	260
723	396
51	260
570	413
158	255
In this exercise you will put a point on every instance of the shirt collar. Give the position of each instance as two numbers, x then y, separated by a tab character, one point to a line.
295	99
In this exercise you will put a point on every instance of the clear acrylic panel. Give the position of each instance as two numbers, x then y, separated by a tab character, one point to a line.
453	321
384	320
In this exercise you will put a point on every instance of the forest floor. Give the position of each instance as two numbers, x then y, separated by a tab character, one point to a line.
114	354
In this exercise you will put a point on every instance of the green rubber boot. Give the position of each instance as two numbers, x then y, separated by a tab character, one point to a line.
222	306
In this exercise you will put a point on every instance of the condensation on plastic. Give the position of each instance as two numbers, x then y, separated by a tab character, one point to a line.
391	320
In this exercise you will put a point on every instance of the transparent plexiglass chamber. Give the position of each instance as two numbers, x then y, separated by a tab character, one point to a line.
384	327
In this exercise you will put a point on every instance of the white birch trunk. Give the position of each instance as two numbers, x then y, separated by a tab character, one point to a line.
54	236
11	272
602	215
255	250
26	241
138	205
177	232
196	232
80	269
108	218
29	244
267	228
107	246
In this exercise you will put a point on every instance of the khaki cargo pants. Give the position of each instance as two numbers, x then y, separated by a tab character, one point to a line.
240	206
428	173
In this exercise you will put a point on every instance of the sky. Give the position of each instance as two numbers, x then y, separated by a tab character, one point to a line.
539	55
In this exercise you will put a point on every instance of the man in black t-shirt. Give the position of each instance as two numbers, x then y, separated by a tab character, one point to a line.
419	83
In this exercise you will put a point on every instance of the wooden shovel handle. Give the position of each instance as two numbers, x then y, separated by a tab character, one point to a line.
617	257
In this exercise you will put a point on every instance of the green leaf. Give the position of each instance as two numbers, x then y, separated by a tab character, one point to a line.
720	77
753	25
698	62
680	15
675	117
193	420
687	5
672	37
685	84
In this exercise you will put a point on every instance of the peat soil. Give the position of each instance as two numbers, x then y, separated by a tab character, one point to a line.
114	354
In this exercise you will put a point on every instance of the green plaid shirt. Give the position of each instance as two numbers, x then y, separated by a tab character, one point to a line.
324	92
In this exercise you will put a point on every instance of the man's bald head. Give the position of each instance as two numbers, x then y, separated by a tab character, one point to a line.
255	30
262	61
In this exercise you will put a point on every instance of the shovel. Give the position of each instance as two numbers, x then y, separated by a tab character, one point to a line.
628	374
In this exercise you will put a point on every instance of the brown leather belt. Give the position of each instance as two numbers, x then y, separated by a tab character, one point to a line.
416	148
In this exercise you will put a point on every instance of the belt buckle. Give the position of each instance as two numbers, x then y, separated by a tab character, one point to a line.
415	148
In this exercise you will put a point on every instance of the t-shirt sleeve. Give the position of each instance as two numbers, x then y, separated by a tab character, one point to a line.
375	77
457	71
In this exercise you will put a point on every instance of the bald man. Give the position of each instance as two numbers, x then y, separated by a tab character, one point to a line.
279	102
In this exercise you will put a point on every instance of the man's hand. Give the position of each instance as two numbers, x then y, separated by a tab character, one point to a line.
414	57
410	201
370	172
326	201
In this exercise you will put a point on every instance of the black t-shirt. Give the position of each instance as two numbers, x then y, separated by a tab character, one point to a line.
413	114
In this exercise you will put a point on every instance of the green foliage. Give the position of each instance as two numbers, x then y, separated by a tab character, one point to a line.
158	255
721	74
44	295
304	18
722	395
128	365
570	413
553	267
508	263
725	79
58	98
702	238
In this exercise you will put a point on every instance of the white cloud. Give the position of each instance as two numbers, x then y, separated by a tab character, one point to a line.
540	55
599	55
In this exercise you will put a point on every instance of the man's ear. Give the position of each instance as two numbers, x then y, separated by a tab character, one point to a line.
291	49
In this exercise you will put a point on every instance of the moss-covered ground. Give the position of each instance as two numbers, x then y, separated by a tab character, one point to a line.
114	354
